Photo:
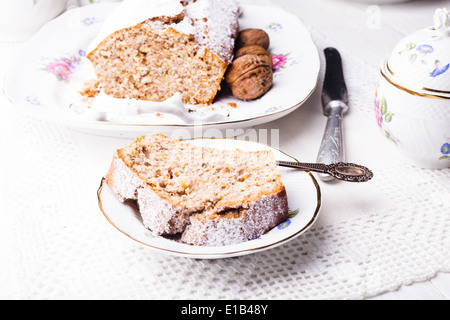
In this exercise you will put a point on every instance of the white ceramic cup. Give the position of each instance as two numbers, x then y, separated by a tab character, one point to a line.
21	19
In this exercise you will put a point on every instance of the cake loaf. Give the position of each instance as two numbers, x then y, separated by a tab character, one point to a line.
152	49
213	197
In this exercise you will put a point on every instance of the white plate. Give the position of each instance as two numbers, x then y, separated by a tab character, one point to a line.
304	197
47	75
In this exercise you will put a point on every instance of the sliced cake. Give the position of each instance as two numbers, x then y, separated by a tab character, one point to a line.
150	50
214	197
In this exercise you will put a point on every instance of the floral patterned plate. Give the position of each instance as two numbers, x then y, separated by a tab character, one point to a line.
51	70
304	197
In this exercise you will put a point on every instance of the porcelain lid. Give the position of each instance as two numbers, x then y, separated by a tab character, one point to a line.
421	61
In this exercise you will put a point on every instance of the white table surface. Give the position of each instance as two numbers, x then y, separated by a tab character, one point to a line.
348	26
352	25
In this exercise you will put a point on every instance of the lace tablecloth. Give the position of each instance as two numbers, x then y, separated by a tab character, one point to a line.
370	238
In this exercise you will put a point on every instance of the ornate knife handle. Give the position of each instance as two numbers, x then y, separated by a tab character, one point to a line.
332	146
349	172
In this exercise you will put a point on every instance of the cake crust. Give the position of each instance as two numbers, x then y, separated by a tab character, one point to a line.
240	225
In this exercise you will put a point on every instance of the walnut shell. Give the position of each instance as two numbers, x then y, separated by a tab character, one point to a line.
254	84
253	50
243	65
250	76
249	37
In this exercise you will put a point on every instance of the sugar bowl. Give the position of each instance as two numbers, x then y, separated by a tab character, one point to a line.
412	104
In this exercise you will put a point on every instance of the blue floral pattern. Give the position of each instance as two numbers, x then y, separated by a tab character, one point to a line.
90	21
276	27
288	222
32	99
284	225
425	48
422	51
439	69
445	150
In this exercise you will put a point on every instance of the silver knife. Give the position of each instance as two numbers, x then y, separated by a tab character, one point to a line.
335	104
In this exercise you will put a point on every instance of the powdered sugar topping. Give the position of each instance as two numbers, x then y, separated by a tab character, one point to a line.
214	23
216	26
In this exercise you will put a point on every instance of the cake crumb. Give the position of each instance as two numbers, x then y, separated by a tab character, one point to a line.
91	89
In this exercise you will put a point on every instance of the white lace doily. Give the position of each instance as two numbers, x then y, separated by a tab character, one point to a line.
55	244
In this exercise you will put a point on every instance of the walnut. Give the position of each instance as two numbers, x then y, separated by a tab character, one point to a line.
250	37
253	49
250	76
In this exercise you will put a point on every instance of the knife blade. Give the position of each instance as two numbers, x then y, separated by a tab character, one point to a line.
335	104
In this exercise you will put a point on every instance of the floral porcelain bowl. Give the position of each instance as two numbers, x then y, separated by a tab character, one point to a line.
412	104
